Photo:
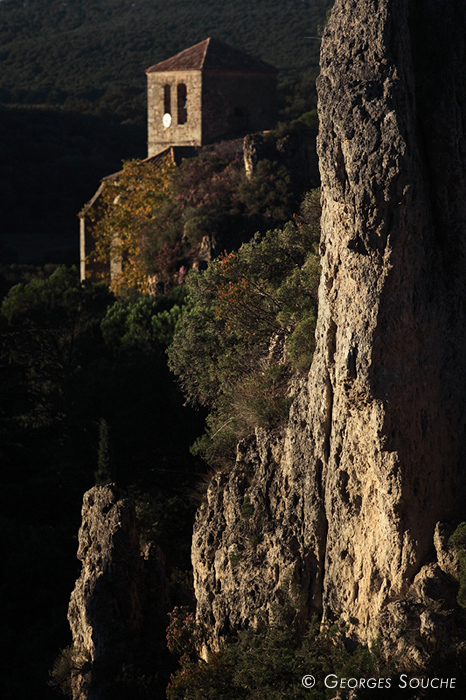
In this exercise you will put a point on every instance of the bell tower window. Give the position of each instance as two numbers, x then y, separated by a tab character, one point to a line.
181	103
167	106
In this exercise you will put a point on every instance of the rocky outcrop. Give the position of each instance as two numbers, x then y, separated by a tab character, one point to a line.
295	149
355	499
120	593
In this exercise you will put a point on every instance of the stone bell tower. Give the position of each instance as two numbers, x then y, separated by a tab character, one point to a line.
206	93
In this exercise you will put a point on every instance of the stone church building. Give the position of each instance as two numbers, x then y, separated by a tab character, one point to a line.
206	93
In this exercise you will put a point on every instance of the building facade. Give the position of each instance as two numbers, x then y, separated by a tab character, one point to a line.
206	93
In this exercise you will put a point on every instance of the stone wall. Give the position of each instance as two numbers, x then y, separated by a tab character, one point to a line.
236	104
187	134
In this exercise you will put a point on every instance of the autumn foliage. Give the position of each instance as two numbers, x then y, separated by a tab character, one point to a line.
126	216
153	217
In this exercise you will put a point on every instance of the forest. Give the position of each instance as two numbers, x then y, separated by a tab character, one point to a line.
54	50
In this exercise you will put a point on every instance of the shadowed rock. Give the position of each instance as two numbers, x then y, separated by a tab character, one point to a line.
119	594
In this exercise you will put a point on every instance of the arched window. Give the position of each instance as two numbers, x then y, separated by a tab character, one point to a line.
167	106
181	102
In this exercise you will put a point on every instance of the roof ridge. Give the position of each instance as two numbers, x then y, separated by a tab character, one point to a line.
207	44
212	54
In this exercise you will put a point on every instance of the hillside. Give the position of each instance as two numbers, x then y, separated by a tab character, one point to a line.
51	50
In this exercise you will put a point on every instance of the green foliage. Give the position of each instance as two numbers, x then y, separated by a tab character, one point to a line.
321	28
458	542
297	94
268	191
310	118
51	320
249	323
33	301
70	398
271	661
148	322
247	508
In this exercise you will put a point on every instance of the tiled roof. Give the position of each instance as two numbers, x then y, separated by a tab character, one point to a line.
213	55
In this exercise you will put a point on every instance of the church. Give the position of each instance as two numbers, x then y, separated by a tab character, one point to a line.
207	93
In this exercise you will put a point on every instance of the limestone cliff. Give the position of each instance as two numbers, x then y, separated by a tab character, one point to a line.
356	499
120	599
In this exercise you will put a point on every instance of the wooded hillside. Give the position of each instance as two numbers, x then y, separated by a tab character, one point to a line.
51	50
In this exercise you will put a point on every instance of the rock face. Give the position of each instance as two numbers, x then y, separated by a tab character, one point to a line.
119	593
296	150
354	499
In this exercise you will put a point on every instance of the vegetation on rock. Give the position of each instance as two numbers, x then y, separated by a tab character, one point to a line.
458	542
248	326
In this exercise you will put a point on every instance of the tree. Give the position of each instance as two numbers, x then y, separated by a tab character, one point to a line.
154	216
248	325
126	217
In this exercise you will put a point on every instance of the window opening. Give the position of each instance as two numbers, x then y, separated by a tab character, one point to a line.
167	107
182	99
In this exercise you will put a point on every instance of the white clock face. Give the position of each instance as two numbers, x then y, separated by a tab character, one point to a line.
167	120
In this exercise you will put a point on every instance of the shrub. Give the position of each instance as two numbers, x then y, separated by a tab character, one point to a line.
271	664
147	322
249	323
184	634
153	216
66	665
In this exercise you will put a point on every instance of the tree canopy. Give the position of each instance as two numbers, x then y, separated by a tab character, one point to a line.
249	324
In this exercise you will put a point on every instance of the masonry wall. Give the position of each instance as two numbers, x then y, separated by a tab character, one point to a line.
185	134
237	103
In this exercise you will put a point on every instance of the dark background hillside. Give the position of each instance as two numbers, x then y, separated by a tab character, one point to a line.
72	95
51	47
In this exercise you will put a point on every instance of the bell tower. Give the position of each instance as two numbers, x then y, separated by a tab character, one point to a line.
206	93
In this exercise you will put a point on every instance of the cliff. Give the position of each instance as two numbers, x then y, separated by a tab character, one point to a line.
357	497
118	608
